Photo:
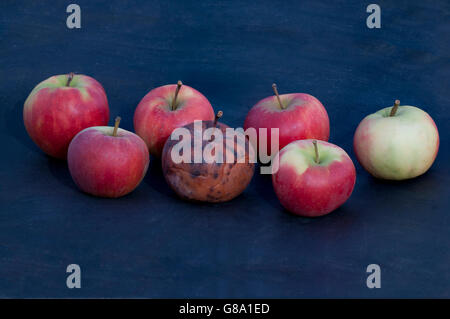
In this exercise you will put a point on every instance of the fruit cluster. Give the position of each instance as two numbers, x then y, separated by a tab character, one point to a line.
66	116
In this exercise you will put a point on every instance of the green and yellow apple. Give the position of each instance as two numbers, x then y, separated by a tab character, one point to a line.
397	142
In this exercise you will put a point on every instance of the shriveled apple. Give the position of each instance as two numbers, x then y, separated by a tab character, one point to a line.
216	177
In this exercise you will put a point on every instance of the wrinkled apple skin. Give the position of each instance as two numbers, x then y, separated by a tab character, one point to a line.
154	119
105	165
303	117
208	182
311	189
397	147
54	113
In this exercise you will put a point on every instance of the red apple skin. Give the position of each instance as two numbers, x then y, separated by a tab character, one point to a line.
318	189
154	119
54	113
303	117
105	165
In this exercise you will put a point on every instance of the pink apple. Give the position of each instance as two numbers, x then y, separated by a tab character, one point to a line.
60	107
314	177
297	115
166	108
397	143
107	161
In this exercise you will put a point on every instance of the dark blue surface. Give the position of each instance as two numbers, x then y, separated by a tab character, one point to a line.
151	244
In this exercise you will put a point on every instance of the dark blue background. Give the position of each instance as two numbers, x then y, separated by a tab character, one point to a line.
151	244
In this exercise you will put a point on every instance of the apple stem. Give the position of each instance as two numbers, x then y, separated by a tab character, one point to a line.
218	116
394	108
116	126
274	87
174	101
316	150
69	78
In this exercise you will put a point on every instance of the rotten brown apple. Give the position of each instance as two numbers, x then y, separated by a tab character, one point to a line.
222	170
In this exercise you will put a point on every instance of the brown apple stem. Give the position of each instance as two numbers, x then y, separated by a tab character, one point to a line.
394	108
69	78
316	150
274	87
218	116
174	101
116	126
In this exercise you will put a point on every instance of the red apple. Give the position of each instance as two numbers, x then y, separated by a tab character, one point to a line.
297	115
165	108
60	107
314	177
107	161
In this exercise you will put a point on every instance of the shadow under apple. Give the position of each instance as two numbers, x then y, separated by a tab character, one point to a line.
60	171
155	178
